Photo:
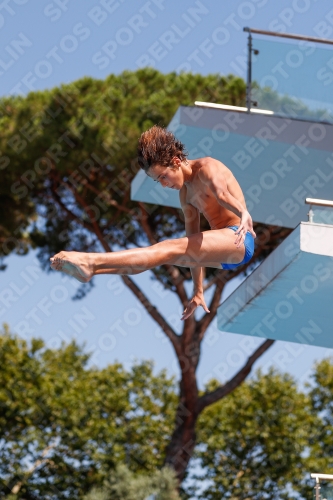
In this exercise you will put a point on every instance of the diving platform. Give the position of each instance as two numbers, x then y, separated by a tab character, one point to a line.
289	296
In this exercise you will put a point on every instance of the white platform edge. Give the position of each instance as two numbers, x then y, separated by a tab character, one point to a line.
317	238
307	237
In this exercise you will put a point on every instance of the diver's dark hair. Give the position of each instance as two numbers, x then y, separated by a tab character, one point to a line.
158	146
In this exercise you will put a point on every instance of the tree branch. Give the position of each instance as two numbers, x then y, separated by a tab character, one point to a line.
154	313
40	461
206	320
224	390
96	229
69	213
107	198
211	282
221	279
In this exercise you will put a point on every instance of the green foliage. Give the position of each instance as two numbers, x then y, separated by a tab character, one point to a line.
68	428
251	444
65	426
320	457
125	485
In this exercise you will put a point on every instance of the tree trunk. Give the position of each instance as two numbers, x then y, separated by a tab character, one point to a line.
183	439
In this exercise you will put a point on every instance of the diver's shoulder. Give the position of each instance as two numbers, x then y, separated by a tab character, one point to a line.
209	160
210	164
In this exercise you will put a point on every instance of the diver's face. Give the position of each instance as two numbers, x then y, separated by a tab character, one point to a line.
171	177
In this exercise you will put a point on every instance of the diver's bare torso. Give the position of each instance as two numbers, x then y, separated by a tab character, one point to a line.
199	195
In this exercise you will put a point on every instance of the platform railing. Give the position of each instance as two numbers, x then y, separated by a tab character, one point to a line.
320	211
323	491
292	79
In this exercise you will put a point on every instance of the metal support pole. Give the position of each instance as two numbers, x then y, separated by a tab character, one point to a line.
249	70
310	214
317	489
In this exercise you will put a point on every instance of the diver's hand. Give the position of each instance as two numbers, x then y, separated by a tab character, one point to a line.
246	225
197	300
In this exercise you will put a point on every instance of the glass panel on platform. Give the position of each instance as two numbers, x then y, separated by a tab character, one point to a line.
323	215
293	79
320	214
326	491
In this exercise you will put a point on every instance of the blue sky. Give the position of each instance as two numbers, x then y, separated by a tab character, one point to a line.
49	43
64	40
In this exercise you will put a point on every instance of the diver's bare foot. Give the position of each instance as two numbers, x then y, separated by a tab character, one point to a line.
76	264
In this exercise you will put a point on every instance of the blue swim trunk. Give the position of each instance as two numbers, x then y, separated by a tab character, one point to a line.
249	250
